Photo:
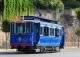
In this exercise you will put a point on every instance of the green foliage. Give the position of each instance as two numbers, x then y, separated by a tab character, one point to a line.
16	7
71	4
77	32
42	4
20	7
1	5
78	13
49	4
6	26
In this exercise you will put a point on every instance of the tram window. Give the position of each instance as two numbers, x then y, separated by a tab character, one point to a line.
60	32
56	32
29	27
20	27
50	31
35	27
47	33
41	30
53	31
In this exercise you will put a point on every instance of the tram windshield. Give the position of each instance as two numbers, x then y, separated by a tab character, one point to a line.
20	27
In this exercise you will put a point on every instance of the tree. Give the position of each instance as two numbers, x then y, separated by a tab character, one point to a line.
78	13
78	34
1	8
10	8
1	5
49	4
71	4
16	7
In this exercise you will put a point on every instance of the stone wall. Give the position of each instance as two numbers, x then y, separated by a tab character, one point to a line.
44	13
71	24
4	41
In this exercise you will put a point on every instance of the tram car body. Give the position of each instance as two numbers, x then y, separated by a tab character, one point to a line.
36	33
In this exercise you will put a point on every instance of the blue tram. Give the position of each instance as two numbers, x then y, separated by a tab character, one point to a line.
36	33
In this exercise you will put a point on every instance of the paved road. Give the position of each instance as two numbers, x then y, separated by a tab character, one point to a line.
63	53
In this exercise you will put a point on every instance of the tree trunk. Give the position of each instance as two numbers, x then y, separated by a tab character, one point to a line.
28	11
0	16
78	41
6	39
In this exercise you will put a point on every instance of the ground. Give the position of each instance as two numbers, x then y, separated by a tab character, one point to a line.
68	52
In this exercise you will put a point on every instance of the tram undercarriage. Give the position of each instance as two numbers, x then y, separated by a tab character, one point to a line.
41	49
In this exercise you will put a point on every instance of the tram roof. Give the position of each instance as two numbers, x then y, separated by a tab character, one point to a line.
40	19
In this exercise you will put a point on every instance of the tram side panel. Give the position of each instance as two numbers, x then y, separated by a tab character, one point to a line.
49	41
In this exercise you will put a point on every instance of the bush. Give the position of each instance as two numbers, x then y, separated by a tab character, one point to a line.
49	4
1	5
78	12
71	4
77	32
5	26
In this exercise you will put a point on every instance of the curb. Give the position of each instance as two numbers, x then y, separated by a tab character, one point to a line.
7	50
71	48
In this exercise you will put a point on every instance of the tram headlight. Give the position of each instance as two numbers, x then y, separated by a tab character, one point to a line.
19	39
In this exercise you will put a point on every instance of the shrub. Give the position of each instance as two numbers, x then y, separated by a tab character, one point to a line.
5	26
78	12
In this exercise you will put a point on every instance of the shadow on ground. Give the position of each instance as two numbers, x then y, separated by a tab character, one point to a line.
15	53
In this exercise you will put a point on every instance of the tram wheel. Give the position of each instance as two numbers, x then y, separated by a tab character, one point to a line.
17	50
41	49
58	49
44	49
53	50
